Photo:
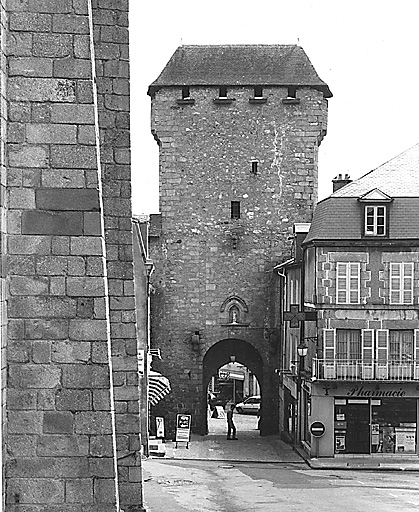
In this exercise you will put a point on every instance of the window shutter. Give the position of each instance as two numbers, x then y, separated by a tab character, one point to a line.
354	274
329	344
395	283
367	345
382	346
416	354
407	283
341	276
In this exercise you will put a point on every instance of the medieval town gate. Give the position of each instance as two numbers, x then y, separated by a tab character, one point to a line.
238	129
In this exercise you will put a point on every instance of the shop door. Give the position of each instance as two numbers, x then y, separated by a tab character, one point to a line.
358	427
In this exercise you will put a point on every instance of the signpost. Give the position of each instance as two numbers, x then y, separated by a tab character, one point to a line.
183	429
317	429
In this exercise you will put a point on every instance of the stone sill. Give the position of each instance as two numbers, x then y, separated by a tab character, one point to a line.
186	101
224	101
291	101
258	100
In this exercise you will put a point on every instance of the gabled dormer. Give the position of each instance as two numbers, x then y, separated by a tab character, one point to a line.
375	213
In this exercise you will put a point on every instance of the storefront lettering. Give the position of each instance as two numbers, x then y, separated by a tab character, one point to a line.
360	391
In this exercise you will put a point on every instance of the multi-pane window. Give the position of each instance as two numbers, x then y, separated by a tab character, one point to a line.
375	220
347	283
348	344
401	345
401	283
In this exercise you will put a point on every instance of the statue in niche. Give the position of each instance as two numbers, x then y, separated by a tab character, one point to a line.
234	315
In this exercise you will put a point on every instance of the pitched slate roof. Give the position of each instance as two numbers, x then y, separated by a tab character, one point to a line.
399	177
239	65
340	216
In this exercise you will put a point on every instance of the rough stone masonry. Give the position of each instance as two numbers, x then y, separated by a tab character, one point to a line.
70	399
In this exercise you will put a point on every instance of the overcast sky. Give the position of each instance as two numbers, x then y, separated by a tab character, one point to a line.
366	51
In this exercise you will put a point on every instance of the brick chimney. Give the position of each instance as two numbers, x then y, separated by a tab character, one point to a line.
340	181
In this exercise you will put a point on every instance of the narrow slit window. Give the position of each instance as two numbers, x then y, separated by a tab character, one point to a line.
186	93
292	91
258	91
254	167
223	92
235	209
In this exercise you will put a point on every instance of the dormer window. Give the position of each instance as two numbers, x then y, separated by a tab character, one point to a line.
376	211
375	220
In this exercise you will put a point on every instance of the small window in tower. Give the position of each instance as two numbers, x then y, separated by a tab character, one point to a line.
292	91
186	93
235	209
258	91
223	92
254	167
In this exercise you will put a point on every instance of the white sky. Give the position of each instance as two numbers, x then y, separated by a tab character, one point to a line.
366	51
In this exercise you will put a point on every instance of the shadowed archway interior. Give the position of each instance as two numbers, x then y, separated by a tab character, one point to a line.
218	355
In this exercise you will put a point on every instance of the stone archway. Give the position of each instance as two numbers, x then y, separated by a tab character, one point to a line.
218	355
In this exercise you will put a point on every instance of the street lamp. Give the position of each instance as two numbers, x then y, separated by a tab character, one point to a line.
233	360
302	350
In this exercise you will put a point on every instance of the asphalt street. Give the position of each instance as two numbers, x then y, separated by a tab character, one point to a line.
279	480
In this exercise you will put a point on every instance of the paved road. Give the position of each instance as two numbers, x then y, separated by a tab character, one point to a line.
256	474
212	486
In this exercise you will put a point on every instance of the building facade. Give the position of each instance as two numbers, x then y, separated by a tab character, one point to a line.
238	129
361	277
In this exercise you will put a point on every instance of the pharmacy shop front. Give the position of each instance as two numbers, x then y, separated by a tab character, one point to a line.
365	418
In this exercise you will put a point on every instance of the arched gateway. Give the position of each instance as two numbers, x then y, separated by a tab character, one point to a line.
218	355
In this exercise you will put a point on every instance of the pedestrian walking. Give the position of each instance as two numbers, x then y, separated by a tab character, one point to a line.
231	427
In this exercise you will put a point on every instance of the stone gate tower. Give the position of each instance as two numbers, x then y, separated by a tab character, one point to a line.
238	129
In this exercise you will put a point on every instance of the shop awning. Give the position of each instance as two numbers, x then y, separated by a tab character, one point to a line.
158	387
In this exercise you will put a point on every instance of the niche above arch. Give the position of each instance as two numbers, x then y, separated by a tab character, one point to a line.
233	312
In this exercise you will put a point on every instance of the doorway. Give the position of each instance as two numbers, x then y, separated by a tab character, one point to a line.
358	427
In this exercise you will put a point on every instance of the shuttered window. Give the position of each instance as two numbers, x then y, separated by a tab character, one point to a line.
347	283
401	283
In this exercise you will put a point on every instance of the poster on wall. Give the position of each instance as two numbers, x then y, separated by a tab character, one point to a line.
405	439
340	444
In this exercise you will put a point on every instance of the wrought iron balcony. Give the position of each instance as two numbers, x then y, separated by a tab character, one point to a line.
357	369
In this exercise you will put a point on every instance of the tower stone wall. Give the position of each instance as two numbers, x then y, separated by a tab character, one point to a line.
260	153
71	399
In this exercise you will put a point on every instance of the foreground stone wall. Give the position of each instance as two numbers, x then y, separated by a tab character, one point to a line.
72	410
3	312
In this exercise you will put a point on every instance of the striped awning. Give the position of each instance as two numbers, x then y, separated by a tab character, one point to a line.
158	387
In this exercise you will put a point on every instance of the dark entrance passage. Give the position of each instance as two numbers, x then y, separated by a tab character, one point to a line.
219	355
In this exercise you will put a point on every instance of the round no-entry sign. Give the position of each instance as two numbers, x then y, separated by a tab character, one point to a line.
317	429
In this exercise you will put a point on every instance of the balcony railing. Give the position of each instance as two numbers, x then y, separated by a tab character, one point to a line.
345	369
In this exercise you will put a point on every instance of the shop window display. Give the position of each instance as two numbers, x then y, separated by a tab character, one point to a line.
379	425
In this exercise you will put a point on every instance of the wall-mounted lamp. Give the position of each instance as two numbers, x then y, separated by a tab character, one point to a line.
302	349
232	359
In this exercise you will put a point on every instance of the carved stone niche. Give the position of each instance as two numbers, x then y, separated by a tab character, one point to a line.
233	312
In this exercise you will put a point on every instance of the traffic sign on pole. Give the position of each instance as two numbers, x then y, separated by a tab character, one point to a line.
317	429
